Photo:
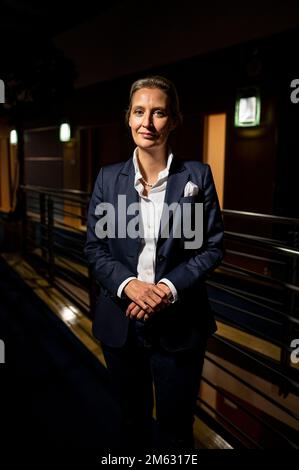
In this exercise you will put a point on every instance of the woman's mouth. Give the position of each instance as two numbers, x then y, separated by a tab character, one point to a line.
147	135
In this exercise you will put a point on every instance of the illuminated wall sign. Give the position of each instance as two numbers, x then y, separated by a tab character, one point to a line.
248	109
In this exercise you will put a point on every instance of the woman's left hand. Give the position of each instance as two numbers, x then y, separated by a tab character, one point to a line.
135	311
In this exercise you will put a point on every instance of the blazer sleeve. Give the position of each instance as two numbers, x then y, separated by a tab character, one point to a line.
206	259
106	269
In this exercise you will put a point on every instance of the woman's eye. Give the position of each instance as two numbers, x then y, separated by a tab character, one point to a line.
159	113
138	112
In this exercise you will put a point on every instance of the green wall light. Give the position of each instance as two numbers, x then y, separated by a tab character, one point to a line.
65	132
13	137
248	109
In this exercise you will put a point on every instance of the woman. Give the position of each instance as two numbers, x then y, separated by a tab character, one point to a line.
152	315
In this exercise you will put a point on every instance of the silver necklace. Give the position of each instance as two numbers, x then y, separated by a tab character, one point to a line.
148	184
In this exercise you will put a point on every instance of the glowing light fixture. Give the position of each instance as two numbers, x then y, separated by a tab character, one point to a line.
13	137
248	109
65	132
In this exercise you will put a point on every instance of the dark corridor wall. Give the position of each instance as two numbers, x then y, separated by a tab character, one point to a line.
261	163
43	154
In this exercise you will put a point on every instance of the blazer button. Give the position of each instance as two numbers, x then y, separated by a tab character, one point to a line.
161	258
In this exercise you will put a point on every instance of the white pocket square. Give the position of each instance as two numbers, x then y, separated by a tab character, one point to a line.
191	189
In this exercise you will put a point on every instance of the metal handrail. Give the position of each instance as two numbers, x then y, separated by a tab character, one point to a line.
248	384
46	190
246	411
72	195
48	226
263	277
258	216
265	242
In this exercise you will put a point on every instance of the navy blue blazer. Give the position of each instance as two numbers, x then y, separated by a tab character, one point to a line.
188	321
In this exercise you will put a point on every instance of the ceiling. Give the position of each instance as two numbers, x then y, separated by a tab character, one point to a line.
48	18
134	36
27	25
110	38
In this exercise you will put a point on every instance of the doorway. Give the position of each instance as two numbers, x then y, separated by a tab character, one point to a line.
214	149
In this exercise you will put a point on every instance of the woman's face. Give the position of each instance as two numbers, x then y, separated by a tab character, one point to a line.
150	119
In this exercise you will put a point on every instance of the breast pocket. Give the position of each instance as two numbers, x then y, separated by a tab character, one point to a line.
192	199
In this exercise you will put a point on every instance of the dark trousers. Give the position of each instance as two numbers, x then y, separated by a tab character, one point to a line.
133	369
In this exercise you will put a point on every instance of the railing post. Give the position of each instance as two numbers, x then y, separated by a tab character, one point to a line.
42	215
51	260
92	292
24	223
292	276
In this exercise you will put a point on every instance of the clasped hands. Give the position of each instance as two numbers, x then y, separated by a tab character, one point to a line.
147	298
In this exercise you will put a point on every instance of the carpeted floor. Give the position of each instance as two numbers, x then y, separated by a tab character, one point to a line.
54	393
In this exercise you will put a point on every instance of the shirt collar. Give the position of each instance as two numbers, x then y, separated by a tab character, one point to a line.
162	174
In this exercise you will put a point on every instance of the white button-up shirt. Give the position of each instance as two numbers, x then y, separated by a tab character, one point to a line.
151	208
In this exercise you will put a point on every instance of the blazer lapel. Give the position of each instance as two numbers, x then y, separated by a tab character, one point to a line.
177	179
126	187
126	183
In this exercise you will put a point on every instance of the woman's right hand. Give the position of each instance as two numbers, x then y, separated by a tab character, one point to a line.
149	297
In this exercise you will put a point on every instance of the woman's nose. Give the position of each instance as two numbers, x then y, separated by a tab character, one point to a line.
147	120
